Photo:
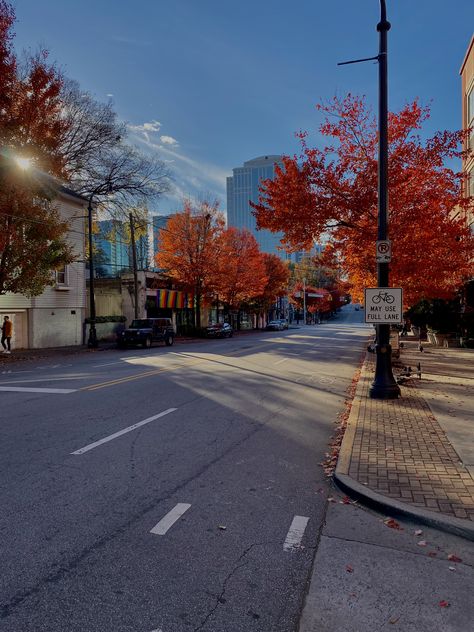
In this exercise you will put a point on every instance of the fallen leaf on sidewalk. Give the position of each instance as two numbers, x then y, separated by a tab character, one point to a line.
418	532
392	524
422	543
394	620
349	568
444	604
454	558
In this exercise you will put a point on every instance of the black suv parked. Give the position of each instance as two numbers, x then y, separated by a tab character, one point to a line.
146	331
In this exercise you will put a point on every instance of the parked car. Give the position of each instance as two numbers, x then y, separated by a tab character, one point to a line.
274	325
284	323
219	330
146	331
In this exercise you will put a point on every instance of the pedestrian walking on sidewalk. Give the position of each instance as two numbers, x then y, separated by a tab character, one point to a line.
7	331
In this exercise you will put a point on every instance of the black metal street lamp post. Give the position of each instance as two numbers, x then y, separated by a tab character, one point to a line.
92	341
384	385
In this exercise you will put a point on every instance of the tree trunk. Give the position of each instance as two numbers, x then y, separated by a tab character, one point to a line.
198	310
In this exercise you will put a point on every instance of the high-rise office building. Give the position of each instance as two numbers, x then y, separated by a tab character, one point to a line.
159	222
242	187
114	254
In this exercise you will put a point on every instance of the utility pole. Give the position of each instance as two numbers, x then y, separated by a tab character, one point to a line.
134	264
304	300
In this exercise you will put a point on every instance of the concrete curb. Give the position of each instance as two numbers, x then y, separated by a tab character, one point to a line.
375	500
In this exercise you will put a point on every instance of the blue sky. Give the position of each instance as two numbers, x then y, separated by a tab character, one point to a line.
209	84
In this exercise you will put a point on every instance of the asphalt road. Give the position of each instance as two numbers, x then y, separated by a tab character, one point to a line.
172	489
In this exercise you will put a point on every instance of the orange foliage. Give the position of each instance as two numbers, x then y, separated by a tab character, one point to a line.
187	248
278	276
31	234
333	191
318	299
240	269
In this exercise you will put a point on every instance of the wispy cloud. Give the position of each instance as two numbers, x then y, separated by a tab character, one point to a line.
169	140
192	178
146	129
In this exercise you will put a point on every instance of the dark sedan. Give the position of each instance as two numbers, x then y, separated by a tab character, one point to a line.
274	325
219	330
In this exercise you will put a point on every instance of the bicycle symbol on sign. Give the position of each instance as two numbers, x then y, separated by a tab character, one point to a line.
383	296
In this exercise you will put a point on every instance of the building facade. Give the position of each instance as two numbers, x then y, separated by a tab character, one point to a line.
243	187
54	318
467	83
467	86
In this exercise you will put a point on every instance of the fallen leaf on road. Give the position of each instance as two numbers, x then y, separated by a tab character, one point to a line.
422	543
222	527
444	604
452	568
418	532
349	568
432	554
392	524
331	500
454	558
346	500
394	620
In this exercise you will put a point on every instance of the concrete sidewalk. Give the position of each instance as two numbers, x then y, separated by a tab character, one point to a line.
415	456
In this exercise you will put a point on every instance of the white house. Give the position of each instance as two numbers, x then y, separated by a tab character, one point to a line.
55	318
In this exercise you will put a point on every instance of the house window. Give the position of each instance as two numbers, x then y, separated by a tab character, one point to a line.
61	276
470	116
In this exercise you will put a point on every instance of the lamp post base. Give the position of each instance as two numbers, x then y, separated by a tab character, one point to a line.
92	343
384	385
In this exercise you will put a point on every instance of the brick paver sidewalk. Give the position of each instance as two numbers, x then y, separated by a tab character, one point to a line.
400	450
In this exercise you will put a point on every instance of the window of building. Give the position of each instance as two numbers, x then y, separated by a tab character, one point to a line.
470	116
62	276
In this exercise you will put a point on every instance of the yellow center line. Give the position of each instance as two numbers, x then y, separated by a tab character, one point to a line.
120	380
139	376
136	376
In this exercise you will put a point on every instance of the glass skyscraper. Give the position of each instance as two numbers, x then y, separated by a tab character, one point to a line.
243	186
114	255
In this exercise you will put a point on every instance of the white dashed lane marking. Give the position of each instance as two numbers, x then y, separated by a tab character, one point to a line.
91	446
19	389
171	517
295	533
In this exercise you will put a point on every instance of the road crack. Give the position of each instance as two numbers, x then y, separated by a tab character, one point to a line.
238	565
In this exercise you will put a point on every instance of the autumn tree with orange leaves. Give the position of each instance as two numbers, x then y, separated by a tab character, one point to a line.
187	249
276	286
333	192
240	273
31	232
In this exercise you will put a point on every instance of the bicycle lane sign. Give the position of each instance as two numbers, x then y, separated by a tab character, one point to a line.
383	305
